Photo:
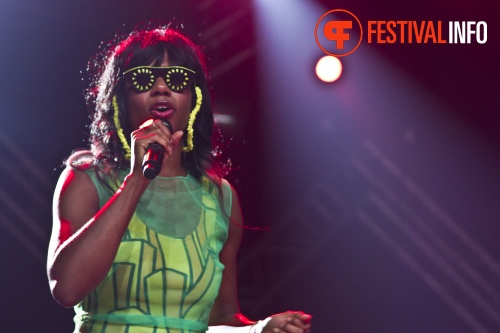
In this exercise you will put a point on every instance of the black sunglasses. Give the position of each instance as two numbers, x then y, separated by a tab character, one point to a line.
143	78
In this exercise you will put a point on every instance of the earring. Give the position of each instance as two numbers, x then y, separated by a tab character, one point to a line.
119	129
189	140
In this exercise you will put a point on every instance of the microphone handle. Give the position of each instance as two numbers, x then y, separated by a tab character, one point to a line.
153	159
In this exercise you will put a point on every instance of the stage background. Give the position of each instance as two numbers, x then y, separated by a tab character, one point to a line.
381	190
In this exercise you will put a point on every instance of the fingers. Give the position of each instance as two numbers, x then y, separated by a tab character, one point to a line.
153	132
293	325
164	136
292	328
306	318
176	138
291	322
299	317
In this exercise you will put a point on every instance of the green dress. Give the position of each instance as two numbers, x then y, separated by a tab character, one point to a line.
167	273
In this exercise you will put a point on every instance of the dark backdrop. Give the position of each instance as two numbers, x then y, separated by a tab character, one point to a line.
383	231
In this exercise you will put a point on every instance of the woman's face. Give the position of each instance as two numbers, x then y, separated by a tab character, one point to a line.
160	102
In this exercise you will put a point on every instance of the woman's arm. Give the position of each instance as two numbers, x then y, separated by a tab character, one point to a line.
226	308
225	316
84	238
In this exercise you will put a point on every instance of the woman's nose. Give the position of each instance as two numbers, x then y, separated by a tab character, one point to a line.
160	87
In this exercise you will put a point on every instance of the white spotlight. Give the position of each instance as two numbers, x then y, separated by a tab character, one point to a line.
328	68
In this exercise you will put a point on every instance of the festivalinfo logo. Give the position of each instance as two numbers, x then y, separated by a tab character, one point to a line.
339	32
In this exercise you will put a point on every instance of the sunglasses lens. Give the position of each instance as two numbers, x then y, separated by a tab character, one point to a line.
142	79
177	79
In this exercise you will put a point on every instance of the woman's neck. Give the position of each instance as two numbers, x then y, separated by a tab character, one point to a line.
172	166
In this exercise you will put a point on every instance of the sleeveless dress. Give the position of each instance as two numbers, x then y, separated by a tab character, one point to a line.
167	273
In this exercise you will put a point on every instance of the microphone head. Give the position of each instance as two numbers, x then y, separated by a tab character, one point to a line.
168	124
153	159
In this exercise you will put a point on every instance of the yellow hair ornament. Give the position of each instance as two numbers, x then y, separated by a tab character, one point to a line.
119	129
192	117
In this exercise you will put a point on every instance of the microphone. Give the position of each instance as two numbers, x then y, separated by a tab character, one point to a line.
151	164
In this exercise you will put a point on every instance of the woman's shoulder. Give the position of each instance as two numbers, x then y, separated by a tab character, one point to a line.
78	167
225	184
86	162
82	167
81	159
229	193
74	185
218	182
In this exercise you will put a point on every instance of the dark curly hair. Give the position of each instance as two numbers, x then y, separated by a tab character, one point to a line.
143	47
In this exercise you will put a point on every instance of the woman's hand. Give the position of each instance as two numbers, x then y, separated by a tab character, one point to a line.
289	322
152	132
